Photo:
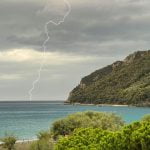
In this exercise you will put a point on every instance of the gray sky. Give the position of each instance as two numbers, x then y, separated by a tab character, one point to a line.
96	33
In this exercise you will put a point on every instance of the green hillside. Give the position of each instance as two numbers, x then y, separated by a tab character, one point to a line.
123	82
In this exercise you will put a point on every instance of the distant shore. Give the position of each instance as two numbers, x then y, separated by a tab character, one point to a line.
115	105
23	141
88	104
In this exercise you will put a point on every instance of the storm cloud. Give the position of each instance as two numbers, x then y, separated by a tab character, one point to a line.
95	34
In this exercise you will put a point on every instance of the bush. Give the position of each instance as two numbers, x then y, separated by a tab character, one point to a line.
146	118
9	142
44	142
42	145
135	136
44	135
100	120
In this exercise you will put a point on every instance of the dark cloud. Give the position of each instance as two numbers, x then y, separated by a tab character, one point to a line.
106	29
95	22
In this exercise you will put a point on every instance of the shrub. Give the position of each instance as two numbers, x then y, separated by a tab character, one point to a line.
135	136
44	142
42	145
86	139
44	135
146	118
9	142
100	120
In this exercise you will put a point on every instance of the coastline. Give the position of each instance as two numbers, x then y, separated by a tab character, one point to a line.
113	105
26	141
22	141
100	105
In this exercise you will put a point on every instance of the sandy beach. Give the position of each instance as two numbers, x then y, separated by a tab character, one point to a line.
22	141
115	105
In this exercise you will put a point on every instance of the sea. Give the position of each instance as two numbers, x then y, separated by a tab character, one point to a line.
26	119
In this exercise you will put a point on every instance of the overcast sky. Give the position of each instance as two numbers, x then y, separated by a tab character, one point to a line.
95	34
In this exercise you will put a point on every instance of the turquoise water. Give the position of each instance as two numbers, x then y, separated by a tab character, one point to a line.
26	119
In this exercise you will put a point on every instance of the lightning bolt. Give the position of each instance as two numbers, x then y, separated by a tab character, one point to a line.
44	47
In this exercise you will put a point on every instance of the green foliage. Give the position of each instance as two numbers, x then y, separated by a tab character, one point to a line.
44	135
126	82
100	120
8	142
146	118
135	136
43	144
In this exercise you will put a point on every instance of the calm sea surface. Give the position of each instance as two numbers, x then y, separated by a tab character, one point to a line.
26	119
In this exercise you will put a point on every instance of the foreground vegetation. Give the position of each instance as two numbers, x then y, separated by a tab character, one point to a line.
9	142
90	131
105	121
132	137
123	82
19	146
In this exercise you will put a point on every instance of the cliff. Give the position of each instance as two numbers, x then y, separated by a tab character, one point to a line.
123	82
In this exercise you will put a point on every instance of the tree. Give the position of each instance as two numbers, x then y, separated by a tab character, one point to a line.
9	142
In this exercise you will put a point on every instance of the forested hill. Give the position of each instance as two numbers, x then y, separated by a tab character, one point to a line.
123	82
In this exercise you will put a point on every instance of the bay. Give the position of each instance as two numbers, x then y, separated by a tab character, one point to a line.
26	119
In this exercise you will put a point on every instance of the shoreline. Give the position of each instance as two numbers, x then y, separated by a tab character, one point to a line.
26	141
22	141
100	105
